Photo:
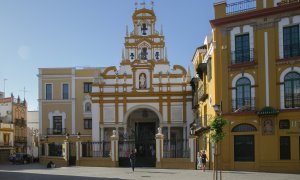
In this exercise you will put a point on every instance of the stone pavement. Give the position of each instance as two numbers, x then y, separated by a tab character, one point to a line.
36	171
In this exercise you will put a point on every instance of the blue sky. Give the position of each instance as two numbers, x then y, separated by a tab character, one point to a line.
74	33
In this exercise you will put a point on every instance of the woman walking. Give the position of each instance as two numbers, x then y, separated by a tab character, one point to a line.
203	159
132	159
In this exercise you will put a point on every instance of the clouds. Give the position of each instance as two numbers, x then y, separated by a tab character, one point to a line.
24	52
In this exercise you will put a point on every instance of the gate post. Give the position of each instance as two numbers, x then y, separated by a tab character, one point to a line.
192	144
78	150
114	151
46	150
65	151
159	147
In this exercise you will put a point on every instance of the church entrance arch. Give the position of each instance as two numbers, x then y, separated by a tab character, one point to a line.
139	136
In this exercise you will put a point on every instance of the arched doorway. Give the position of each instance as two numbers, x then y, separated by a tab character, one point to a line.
139	136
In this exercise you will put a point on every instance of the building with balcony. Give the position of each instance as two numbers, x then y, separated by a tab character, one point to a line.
13	115
253	63
65	102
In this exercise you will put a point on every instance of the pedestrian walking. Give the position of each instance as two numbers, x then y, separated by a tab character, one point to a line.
203	159
132	159
199	161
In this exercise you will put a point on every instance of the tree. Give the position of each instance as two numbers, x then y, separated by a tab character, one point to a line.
216	135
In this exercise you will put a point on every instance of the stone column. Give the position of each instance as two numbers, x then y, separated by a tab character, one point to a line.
46	149
66	150
78	151
114	148
159	147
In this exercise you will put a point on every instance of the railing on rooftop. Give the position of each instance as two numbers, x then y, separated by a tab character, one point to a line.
241	6
285	2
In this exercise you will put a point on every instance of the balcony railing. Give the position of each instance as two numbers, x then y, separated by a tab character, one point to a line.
241	6
242	56
56	131
202	95
243	104
291	101
9	144
285	2
291	50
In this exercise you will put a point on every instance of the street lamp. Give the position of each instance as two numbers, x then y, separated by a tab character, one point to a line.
218	108
67	136
78	135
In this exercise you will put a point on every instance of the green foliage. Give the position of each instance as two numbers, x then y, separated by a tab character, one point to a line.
216	128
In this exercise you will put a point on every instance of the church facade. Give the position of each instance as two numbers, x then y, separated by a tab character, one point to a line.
144	93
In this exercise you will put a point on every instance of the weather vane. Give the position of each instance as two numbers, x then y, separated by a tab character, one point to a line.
143	3
136	5
152	3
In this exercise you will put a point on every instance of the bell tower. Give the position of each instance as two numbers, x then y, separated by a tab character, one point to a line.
144	42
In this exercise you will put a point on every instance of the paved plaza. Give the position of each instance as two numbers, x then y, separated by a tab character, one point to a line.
37	171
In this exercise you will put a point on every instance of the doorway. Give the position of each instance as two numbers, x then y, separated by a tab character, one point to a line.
140	137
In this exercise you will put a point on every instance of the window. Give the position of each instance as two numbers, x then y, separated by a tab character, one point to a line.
291	41
48	91
285	148
144	54
292	90
88	124
244	148
65	89
87	87
242	48
284	124
57	125
87	107
209	73
244	128
243	93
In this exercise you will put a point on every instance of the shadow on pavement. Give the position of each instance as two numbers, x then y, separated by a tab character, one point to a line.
31	176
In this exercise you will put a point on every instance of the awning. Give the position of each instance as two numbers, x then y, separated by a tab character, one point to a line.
268	110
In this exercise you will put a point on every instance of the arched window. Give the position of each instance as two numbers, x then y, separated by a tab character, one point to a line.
244	128
243	93
244	144
292	90
88	107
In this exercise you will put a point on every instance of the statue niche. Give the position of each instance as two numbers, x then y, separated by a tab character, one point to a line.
142	81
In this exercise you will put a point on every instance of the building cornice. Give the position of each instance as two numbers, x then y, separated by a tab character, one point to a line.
255	14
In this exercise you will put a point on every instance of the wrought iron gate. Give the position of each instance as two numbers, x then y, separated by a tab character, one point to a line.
72	154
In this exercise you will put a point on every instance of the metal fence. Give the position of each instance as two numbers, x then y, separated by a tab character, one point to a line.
96	149
55	149
241	6
125	147
178	148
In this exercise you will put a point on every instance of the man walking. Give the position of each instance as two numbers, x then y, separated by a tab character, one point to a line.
132	159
